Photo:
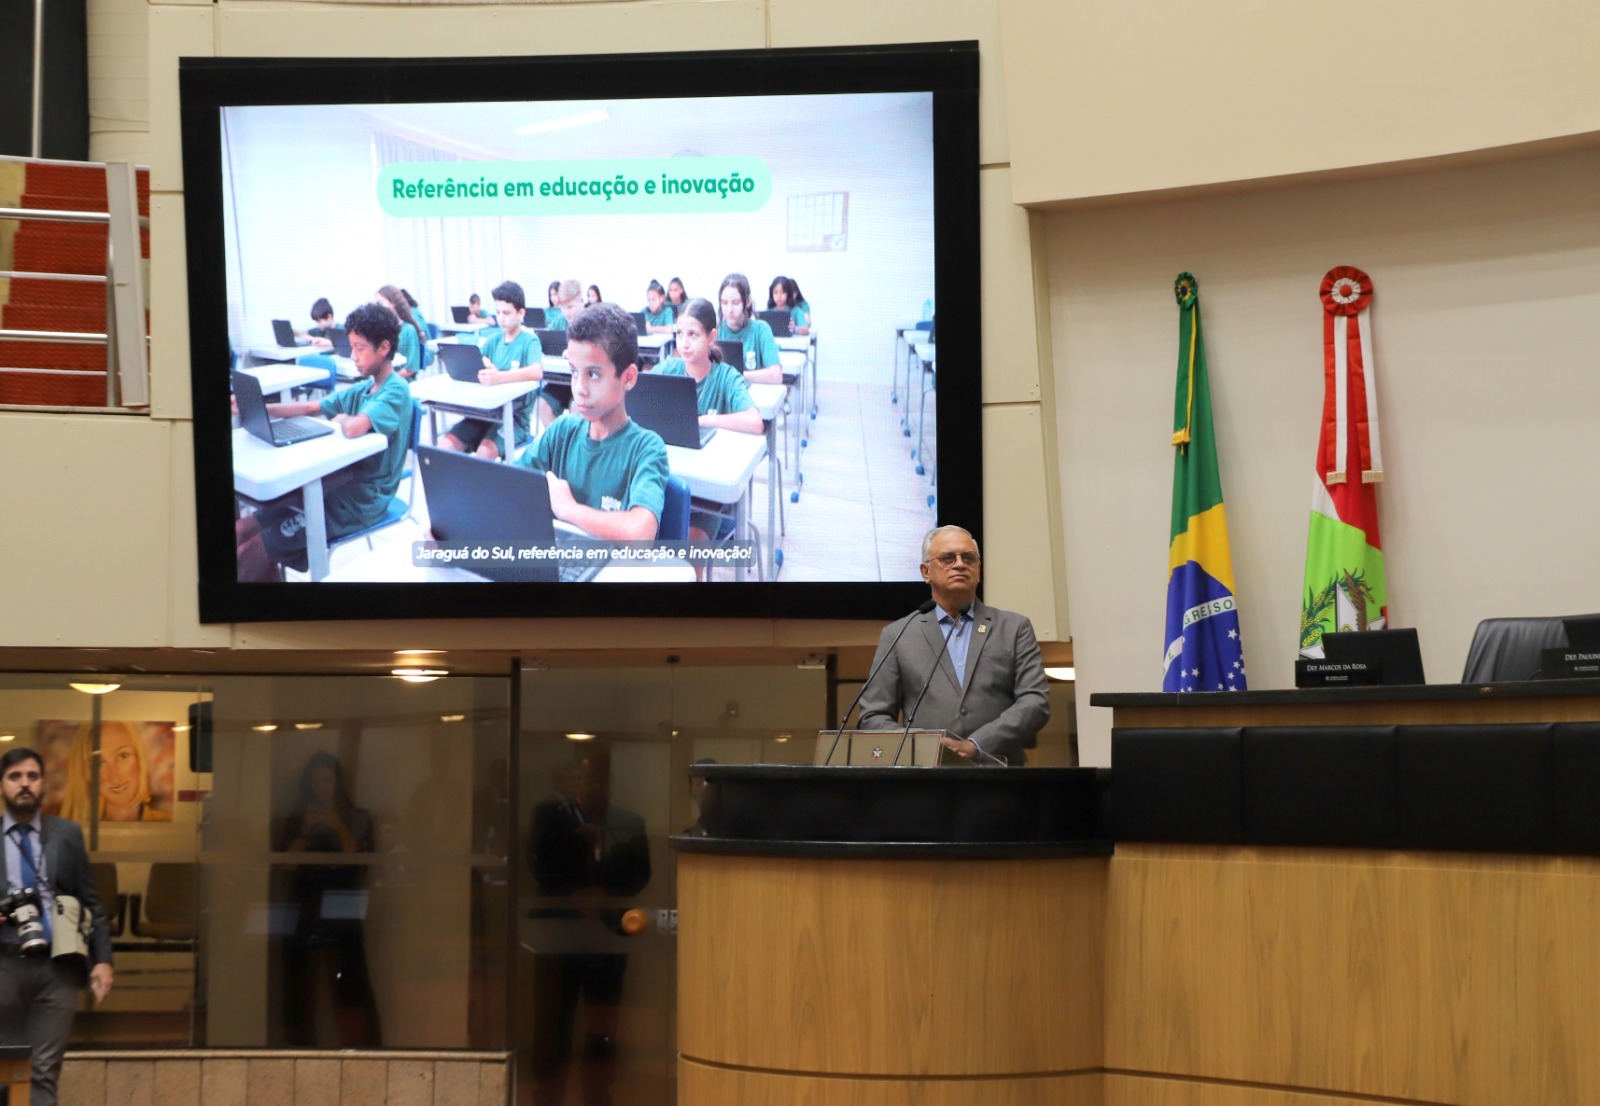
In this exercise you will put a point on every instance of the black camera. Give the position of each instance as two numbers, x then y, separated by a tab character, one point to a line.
22	908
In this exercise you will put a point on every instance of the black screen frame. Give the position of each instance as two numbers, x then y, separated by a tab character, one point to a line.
948	70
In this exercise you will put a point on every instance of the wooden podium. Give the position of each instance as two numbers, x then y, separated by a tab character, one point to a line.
890	935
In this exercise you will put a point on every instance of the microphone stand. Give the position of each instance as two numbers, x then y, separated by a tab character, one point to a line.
887	653
925	685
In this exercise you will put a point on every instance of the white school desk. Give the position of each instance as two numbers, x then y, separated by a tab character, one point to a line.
479	401
467	327
806	346
904	335
721	472
281	379
390	563
263	472
344	368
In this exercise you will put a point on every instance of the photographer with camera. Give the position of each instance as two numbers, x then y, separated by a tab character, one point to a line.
47	887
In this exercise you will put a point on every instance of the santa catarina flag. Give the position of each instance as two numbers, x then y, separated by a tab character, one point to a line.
1345	588
1204	650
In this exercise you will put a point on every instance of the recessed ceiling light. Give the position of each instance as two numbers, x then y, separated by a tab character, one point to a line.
8	737
781	738
181	729
812	662
416	652
452	718
265	727
95	689
308	725
1064	675
580	736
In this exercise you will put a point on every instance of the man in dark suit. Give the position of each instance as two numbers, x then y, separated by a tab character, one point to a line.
989	689
38	992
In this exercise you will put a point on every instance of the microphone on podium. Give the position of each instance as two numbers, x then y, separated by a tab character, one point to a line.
912	713
887	653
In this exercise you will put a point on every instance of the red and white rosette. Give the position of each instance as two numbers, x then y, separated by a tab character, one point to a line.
1350	374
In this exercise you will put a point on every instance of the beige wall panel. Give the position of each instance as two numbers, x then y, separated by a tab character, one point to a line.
845	23
708	1086
890	967
86	559
1166	94
183	565
1010	335
254	28
1019	544
175	32
169	309
1486	294
509	633
1464	980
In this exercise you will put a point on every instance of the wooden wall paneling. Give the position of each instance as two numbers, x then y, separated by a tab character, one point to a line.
1421	713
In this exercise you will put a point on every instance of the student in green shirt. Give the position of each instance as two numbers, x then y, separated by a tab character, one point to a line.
723	399
413	339
607	474
322	316
567	301
510	353
379	403
676	296
760	349
475	308
658	314
785	292
416	312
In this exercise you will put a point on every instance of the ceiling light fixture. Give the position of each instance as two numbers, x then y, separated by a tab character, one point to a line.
1062	675
95	689
308	725
417	652
580	736
265	727
419	675
452	718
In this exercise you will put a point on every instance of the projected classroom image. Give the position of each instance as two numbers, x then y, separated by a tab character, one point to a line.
675	340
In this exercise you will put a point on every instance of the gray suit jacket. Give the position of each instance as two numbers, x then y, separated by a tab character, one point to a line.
1002	704
66	865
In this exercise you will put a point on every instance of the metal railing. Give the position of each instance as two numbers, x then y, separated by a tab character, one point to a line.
127	345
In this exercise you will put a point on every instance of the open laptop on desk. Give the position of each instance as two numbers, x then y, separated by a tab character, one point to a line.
340	340
480	502
778	318
552	343
669	406
1397	652
459	313
254	418
283	333
462	363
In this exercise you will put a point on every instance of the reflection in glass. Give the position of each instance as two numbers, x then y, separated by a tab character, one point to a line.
586	849
324	956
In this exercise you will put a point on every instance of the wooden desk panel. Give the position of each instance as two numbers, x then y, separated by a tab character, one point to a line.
890	967
1412	977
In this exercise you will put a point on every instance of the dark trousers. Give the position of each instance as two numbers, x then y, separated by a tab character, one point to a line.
38	996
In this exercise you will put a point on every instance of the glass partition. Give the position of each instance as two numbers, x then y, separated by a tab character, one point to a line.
604	758
353	864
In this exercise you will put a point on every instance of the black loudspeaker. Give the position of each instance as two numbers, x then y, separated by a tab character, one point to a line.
199	737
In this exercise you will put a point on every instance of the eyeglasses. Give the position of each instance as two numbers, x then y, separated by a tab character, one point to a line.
948	559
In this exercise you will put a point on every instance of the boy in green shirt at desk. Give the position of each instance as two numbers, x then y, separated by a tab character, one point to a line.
722	397
379	403
607	474
510	353
761	365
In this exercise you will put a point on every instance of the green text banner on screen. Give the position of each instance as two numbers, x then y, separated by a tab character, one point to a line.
611	186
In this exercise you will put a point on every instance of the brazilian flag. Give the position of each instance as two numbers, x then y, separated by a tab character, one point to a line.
1203	649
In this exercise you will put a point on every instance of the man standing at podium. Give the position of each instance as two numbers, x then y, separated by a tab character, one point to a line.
963	666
